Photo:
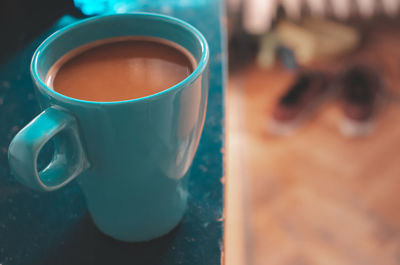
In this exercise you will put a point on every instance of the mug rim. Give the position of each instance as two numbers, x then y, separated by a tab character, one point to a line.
202	64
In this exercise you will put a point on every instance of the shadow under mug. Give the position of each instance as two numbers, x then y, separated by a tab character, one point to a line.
131	158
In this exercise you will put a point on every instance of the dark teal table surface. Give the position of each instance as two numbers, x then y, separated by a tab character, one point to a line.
55	228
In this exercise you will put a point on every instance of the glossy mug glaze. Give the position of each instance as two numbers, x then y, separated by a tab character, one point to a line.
131	158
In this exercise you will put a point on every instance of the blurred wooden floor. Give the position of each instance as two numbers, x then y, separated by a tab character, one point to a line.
316	197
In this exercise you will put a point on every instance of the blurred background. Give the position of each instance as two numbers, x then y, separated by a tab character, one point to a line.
313	132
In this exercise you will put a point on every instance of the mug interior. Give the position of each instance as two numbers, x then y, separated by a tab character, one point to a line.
119	25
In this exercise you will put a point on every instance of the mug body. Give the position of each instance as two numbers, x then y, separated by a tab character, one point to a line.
139	151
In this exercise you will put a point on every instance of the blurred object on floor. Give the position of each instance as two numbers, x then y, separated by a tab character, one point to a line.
269	43
334	38
360	90
287	57
259	15
361	96
313	38
298	103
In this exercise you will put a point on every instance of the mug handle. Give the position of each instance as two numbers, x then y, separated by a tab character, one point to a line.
69	158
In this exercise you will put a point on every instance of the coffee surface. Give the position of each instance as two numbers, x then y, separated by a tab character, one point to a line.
120	69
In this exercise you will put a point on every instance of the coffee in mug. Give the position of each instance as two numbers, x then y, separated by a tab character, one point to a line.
120	68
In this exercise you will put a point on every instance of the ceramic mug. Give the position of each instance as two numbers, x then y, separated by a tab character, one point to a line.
131	158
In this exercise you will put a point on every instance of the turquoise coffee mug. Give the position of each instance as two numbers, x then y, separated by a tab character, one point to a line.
131	158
